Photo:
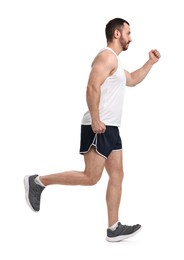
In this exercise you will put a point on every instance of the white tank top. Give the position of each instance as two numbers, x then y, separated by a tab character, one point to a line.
111	99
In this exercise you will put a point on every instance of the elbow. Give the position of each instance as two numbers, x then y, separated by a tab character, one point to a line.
92	89
132	84
88	91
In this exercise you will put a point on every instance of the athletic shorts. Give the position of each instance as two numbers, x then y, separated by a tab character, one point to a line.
104	143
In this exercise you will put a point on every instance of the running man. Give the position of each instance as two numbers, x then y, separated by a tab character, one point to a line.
100	142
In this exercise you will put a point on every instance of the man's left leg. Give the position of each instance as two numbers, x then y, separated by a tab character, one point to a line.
114	168
116	231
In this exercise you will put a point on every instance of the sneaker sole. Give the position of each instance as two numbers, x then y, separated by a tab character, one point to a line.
120	238
26	185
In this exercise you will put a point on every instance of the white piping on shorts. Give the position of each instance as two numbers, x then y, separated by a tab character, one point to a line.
94	143
117	150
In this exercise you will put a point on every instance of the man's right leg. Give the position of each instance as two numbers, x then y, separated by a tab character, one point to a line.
94	165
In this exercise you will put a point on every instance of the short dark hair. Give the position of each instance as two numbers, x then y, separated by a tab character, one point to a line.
112	25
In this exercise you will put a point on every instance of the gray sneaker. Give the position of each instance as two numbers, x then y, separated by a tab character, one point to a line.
122	232
32	192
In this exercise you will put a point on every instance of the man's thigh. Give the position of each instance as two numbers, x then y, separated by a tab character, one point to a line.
94	163
114	163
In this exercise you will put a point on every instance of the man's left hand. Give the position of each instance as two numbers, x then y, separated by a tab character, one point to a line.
154	56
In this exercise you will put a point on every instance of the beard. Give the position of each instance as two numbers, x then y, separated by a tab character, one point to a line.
124	44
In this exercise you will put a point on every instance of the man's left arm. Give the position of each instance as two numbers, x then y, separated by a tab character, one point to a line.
134	78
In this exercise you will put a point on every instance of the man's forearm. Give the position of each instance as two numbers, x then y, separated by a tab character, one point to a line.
140	74
93	101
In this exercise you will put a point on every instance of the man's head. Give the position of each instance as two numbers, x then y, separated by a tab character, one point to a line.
118	29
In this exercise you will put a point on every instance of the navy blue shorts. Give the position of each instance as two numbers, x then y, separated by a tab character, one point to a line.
104	143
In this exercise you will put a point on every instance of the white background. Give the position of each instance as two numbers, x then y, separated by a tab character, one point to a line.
46	48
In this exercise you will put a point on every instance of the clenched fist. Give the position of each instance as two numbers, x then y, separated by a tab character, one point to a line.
98	127
154	56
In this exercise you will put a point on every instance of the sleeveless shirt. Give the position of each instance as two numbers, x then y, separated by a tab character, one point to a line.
112	96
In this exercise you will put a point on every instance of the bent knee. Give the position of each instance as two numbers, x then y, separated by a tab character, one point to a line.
93	180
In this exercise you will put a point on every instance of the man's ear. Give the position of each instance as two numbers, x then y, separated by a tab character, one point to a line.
117	34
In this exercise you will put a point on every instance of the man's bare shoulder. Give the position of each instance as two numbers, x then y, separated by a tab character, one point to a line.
106	57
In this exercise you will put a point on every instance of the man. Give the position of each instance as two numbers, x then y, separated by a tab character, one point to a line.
100	140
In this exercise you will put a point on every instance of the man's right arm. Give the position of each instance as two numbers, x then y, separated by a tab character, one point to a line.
102	67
